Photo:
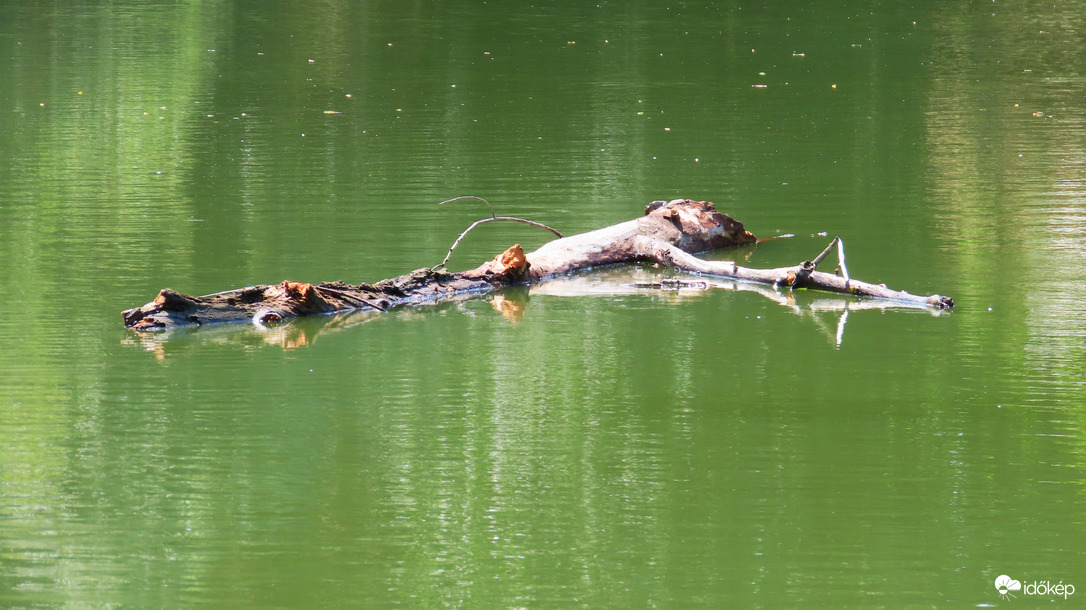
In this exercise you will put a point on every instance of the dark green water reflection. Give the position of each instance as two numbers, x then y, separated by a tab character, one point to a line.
596	446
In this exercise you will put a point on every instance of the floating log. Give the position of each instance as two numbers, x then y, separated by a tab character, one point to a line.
667	234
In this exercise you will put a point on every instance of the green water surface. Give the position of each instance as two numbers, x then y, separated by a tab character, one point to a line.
582	444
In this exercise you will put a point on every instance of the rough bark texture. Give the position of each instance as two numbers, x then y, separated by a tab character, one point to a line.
667	234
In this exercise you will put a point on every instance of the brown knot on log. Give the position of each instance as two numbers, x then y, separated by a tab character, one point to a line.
512	264
304	298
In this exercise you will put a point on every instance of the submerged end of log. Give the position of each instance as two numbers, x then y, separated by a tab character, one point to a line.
269	305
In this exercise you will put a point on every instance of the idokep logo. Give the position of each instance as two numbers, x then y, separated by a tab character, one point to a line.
1005	585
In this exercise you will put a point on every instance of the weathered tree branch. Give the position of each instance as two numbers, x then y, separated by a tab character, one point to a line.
667	234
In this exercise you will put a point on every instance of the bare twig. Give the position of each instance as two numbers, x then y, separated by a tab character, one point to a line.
818	259
840	258
492	218
492	215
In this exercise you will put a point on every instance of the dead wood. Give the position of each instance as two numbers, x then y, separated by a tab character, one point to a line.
667	234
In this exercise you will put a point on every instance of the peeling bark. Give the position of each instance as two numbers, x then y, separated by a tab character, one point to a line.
667	234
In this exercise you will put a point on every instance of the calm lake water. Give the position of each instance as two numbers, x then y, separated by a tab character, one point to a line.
595	446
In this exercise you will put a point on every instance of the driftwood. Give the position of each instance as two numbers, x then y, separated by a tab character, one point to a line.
667	234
